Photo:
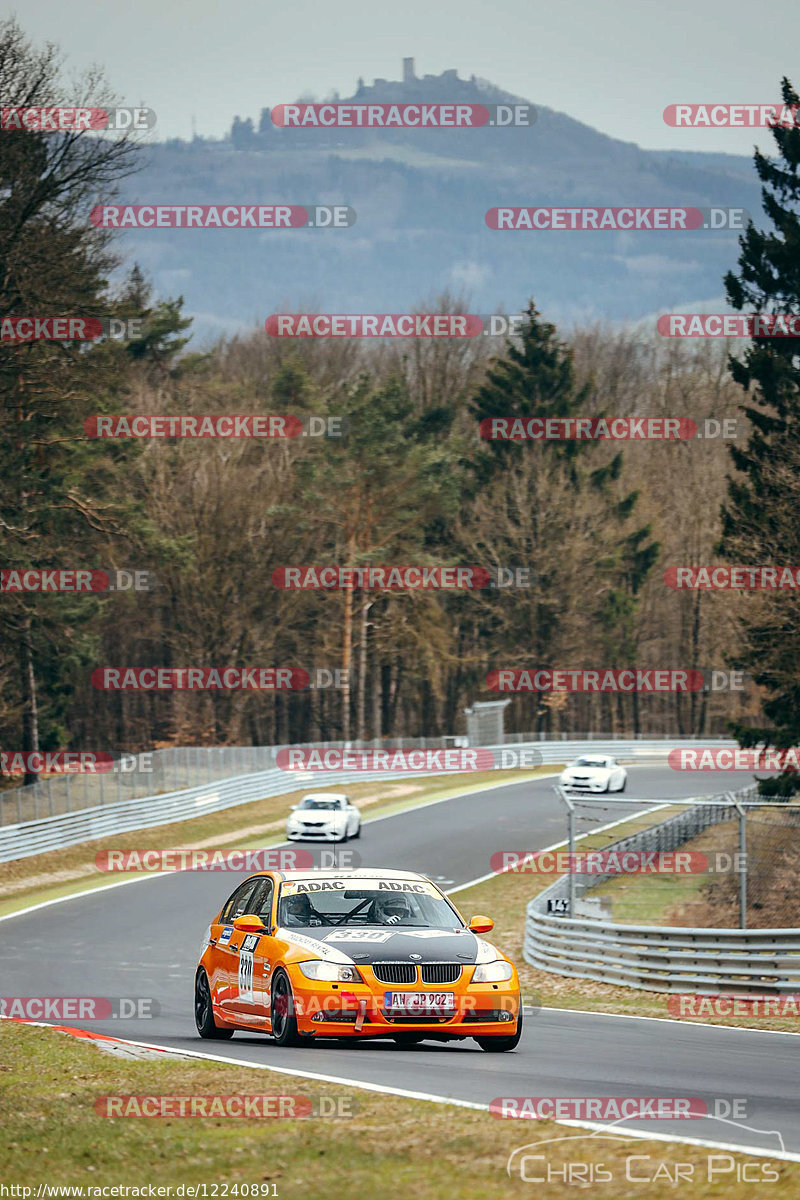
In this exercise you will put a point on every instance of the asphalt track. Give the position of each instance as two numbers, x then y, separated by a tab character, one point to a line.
143	940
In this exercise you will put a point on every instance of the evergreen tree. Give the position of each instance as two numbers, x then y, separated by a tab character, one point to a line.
760	518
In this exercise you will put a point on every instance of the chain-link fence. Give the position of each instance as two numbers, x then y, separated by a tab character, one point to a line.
136	776
738	864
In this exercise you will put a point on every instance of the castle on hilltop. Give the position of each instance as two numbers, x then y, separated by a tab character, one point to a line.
446	88
413	85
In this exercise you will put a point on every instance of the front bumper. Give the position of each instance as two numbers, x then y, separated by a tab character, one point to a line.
357	1009
324	833
585	785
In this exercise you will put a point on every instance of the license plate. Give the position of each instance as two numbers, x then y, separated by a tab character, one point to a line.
420	1002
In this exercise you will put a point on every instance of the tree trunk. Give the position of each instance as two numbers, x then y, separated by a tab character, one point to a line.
361	683
347	658
377	698
30	711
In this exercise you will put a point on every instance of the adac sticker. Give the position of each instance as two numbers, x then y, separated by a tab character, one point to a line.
225	936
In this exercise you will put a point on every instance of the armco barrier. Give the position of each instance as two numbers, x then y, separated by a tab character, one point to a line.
659	958
25	838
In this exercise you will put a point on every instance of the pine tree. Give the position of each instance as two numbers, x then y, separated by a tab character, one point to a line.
760	521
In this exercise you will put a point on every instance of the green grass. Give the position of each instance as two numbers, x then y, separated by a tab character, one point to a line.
391	1145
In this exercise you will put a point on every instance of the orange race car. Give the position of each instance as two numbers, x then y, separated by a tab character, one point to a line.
366	953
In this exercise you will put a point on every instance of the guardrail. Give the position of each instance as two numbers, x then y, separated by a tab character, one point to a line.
140	776
662	958
22	839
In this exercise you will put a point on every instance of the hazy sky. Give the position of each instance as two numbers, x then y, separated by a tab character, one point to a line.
613	65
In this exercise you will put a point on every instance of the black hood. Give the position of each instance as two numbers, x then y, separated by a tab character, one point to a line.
426	945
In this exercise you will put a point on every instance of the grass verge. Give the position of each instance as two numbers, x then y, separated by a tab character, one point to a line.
49	1084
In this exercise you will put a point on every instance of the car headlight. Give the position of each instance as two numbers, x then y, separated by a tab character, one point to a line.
493	972
332	972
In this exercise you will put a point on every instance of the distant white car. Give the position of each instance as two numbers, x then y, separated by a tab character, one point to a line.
594	773
323	817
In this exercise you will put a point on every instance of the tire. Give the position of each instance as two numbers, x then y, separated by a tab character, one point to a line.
204	1012
499	1045
284	1021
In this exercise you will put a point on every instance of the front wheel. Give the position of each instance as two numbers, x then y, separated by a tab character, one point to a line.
204	1012
498	1045
282	1012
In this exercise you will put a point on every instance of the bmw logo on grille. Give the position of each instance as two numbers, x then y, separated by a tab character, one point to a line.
416	957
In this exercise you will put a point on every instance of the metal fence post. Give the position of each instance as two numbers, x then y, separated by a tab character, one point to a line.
743	868
570	843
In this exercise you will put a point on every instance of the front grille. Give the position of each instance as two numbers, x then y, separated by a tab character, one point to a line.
441	972
395	972
418	1019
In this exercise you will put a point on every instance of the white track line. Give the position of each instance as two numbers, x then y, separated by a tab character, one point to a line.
430	1098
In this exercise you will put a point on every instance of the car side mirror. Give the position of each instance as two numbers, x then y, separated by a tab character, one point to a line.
480	924
249	923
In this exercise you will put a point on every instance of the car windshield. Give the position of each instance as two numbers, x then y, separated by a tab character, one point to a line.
366	906
590	762
319	805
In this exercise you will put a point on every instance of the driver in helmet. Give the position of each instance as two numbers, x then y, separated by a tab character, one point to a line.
392	910
298	910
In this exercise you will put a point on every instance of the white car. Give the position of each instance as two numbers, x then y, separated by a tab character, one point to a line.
594	773
323	817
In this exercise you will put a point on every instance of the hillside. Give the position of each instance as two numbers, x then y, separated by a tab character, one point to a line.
420	198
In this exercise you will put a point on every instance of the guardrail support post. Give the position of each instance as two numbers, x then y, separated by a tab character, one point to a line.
742	863
570	845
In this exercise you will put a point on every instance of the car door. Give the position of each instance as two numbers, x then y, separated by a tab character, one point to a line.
253	965
228	941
